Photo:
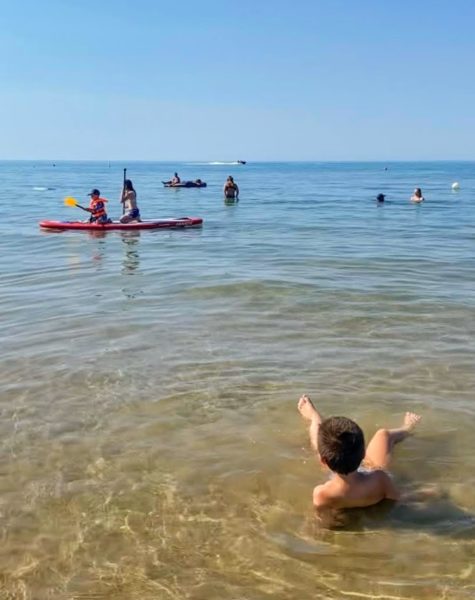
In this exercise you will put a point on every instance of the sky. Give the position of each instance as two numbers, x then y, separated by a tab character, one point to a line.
256	80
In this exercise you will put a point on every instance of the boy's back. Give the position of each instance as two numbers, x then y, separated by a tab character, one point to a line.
357	490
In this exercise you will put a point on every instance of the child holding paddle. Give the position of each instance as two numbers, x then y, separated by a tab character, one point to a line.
97	208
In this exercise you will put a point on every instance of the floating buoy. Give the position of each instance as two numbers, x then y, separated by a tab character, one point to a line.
456	185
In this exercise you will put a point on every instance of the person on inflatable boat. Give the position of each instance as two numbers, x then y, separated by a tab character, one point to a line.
175	180
97	208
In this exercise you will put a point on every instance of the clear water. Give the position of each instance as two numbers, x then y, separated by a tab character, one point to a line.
150	445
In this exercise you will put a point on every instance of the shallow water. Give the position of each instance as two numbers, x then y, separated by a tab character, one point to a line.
150	444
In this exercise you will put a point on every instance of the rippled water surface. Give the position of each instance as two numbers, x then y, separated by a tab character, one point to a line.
150	445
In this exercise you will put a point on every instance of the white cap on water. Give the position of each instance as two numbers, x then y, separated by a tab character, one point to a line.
456	185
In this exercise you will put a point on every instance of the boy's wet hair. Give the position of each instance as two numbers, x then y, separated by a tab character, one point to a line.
341	444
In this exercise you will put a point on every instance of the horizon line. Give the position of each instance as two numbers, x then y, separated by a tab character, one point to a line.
227	162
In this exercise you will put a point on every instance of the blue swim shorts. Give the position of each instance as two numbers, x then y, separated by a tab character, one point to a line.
101	220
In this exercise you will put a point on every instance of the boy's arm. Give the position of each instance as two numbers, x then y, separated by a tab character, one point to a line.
310	413
422	494
390	490
313	433
417	495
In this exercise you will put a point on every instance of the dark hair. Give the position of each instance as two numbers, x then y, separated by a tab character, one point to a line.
418	192
341	444
128	185
230	178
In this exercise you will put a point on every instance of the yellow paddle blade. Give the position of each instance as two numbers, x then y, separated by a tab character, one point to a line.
70	201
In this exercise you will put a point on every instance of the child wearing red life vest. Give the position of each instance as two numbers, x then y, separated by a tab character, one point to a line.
97	208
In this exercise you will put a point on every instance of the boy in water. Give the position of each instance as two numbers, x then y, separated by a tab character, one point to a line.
359	476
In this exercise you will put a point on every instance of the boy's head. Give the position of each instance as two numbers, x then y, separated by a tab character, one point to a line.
341	444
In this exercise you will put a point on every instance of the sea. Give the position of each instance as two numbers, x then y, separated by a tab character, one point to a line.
150	443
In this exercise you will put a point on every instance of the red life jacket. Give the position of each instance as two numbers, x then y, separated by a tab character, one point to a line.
98	208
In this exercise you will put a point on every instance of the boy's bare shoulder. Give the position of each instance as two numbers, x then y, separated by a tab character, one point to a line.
327	495
322	497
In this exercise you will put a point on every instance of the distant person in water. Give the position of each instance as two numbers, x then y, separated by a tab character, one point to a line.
231	189
129	203
380	197
97	208
359	476
175	180
417	196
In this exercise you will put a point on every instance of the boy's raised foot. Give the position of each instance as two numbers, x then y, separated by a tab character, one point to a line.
410	421
306	408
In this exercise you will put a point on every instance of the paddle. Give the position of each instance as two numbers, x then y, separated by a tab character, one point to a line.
72	202
123	190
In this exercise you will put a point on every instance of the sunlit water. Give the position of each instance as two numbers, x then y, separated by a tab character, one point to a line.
150	443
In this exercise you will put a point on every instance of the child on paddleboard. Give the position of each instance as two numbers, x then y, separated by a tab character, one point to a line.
97	208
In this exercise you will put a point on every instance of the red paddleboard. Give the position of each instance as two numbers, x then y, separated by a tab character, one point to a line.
118	226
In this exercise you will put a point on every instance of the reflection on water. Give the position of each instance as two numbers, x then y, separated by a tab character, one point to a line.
131	261
98	246
98	235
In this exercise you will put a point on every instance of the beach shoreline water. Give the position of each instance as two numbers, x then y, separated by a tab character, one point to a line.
150	442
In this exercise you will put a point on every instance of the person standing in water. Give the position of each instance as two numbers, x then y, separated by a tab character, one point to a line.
231	189
417	196
129	202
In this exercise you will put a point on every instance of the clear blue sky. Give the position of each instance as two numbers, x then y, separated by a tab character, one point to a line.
248	79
